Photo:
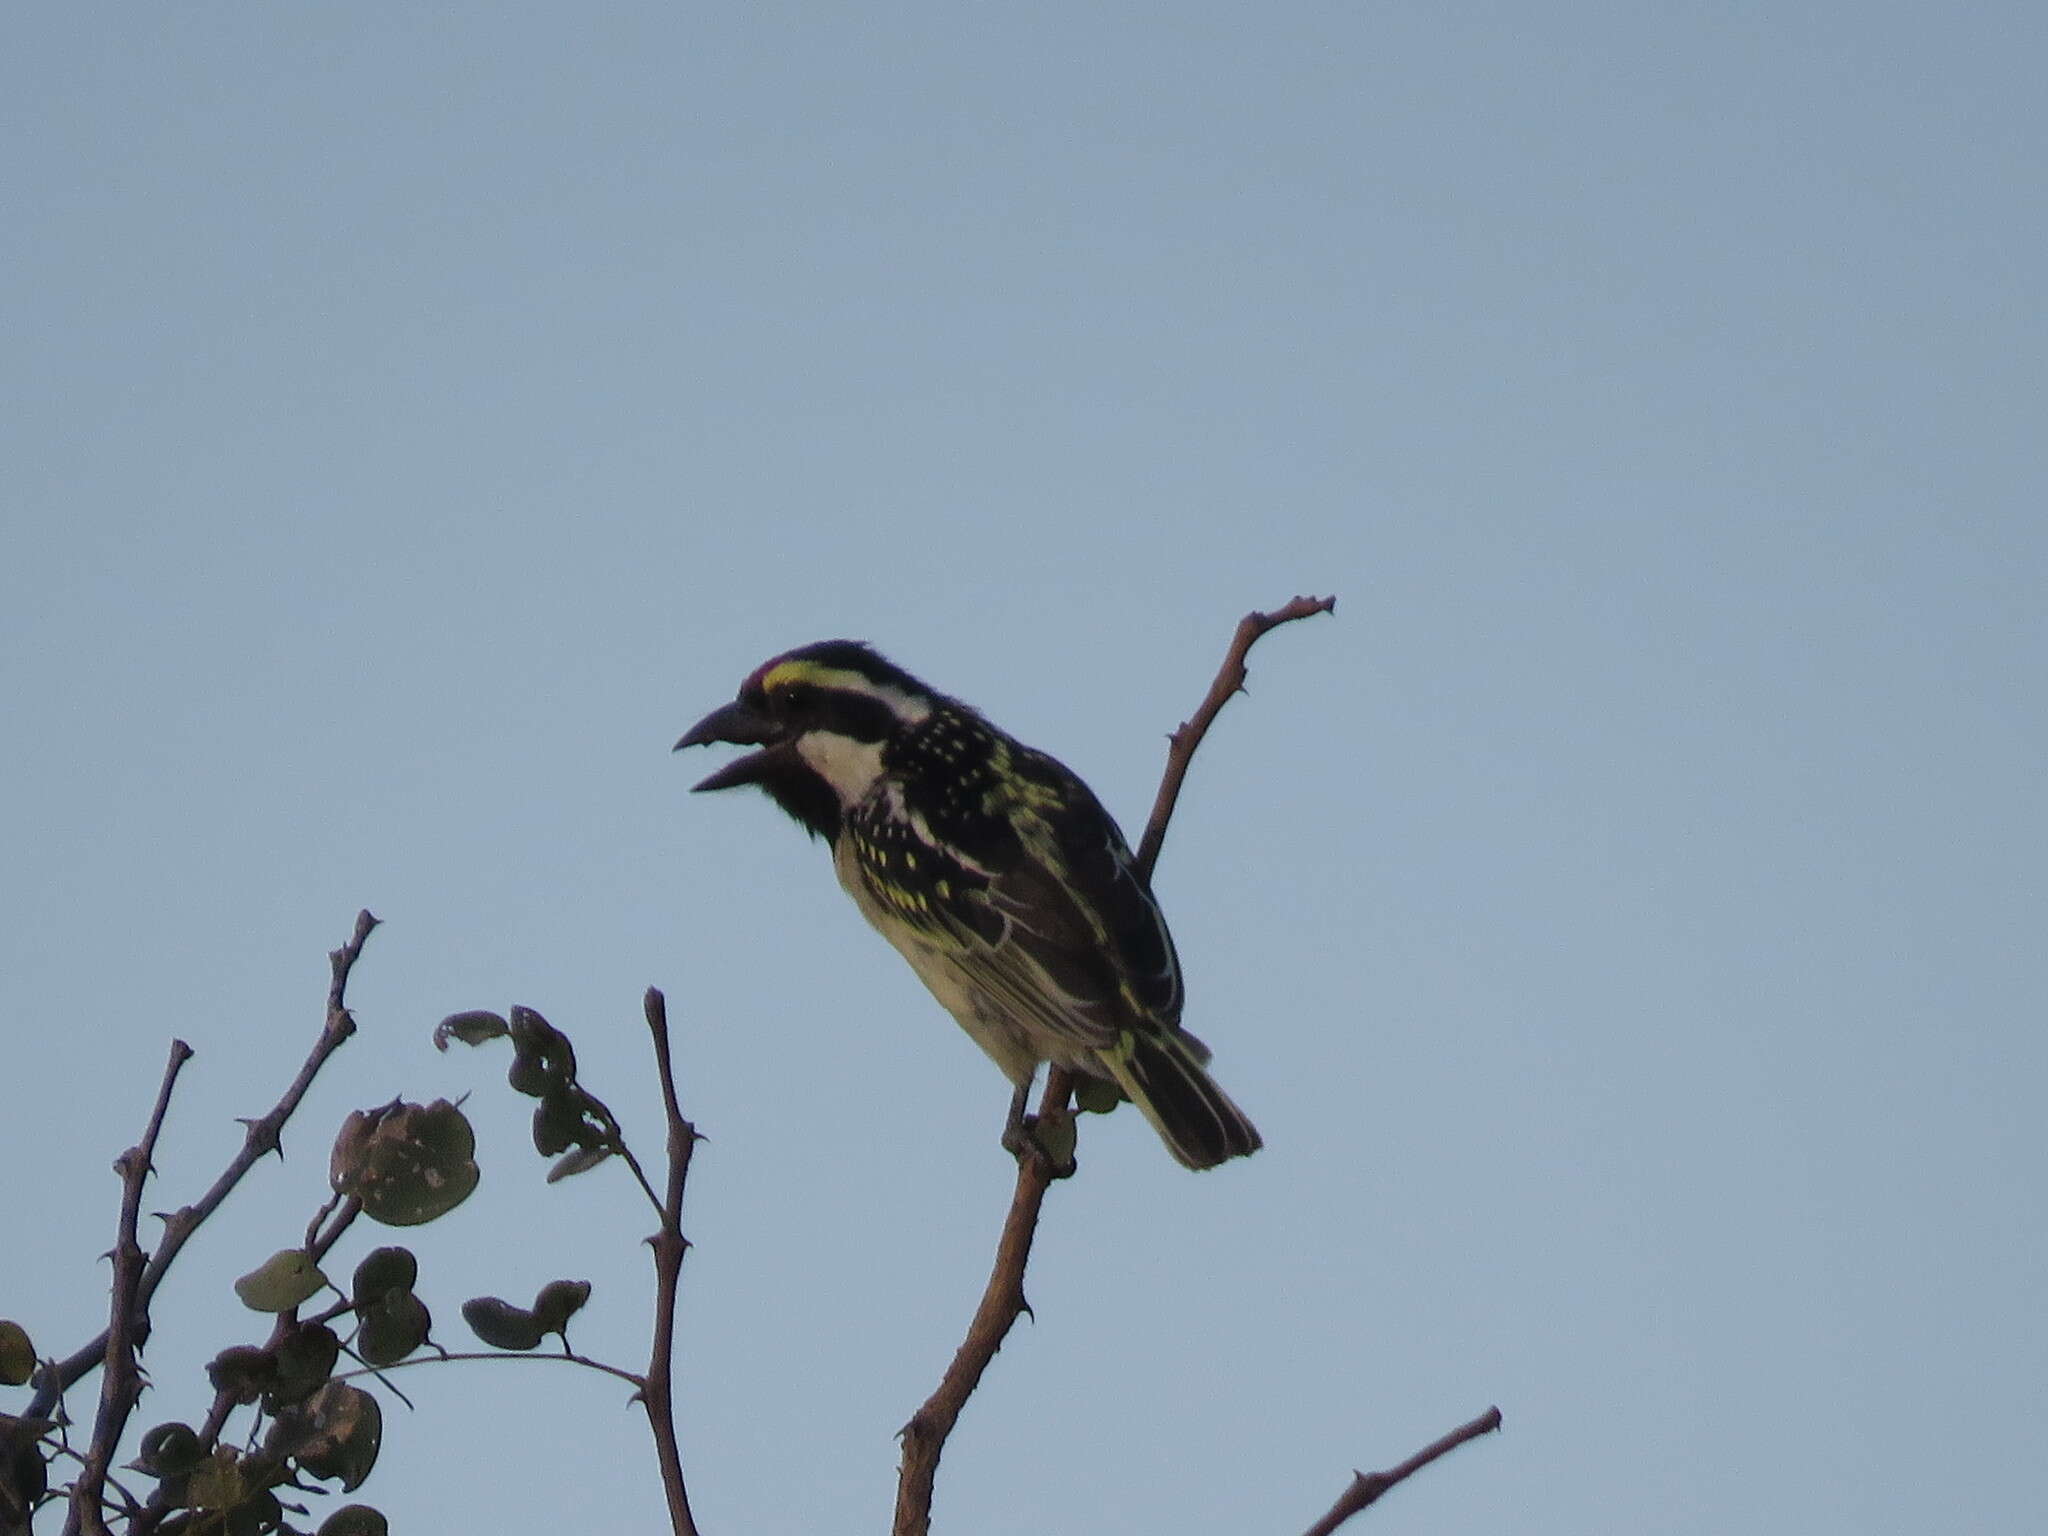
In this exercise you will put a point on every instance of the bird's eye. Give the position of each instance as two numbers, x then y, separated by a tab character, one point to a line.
794	696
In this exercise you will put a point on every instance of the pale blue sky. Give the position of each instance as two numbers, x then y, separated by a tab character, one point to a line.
1623	918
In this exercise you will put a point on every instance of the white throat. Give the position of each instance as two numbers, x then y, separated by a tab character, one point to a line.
850	767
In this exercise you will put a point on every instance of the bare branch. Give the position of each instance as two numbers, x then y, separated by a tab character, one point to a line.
1002	1300
1368	1486
128	1322
657	1394
1230	680
1002	1303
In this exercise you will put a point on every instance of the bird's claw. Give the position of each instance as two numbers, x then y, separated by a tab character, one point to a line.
1048	1144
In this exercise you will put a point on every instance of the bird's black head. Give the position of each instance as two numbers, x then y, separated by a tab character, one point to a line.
819	715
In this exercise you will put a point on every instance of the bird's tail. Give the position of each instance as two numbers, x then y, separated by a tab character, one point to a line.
1163	1074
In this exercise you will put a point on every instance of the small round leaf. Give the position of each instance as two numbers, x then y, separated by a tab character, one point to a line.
502	1325
383	1270
471	1028
335	1434
168	1450
280	1282
407	1163
305	1359
558	1301
556	1120
17	1354
355	1520
243	1372
543	1058
217	1482
393	1329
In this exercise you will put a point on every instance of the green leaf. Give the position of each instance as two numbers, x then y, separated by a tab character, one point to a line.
556	1120
334	1434
471	1028
383	1270
543	1057
305	1359
355	1520
280	1282
501	1325
243	1372
24	1475
217	1482
407	1163
582	1160
168	1450
256	1515
558	1301
17	1354
393	1328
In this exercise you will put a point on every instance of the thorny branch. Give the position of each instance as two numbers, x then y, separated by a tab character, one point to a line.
128	1325
1231	678
1368	1486
1002	1300
136	1281
260	1137
657	1392
137	1275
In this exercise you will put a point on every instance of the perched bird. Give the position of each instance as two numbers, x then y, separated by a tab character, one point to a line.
993	870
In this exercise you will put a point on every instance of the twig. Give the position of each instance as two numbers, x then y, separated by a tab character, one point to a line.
449	1357
1230	680
1002	1303
261	1136
128	1323
616	1142
1368	1486
1002	1300
328	1224
657	1395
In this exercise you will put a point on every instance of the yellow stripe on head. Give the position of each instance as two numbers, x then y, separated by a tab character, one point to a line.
782	673
791	670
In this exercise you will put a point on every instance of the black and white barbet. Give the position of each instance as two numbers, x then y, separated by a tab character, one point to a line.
993	870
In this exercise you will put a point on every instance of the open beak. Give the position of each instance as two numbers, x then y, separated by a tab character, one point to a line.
742	726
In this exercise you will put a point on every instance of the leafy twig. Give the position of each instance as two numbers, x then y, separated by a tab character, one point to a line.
450	1356
260	1137
1002	1300
1368	1486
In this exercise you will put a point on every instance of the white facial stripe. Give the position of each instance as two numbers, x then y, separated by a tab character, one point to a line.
850	767
910	709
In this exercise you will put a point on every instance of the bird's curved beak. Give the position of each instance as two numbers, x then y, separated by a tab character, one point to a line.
742	726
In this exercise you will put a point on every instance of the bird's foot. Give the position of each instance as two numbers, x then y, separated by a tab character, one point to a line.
1049	1143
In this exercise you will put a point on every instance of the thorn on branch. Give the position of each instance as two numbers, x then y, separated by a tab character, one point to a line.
1367	1487
1230	681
